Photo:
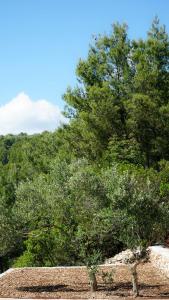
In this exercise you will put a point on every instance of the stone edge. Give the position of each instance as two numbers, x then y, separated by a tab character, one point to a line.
59	267
6	272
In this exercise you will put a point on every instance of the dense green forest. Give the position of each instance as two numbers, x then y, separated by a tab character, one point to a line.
99	183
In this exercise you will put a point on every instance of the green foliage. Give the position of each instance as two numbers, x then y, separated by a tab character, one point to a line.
121	104
43	248
135	197
7	229
108	277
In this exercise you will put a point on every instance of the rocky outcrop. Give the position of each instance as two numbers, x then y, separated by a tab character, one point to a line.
120	258
159	257
129	257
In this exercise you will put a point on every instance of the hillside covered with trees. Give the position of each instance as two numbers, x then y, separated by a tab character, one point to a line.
100	183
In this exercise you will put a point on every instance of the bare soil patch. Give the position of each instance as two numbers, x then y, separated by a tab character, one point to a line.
72	283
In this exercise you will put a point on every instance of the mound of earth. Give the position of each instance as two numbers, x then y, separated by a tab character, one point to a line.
73	283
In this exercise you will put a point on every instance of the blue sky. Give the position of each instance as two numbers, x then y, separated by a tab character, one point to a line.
42	40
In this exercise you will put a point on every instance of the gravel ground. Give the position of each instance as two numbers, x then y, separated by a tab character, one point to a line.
72	283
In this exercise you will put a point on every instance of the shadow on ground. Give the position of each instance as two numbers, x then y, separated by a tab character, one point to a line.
124	289
45	288
120	289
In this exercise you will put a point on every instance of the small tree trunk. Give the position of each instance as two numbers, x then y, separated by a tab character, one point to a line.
93	282
133	270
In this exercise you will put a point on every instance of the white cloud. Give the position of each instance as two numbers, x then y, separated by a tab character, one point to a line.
22	114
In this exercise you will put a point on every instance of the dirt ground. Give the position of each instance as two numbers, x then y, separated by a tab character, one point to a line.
72	283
